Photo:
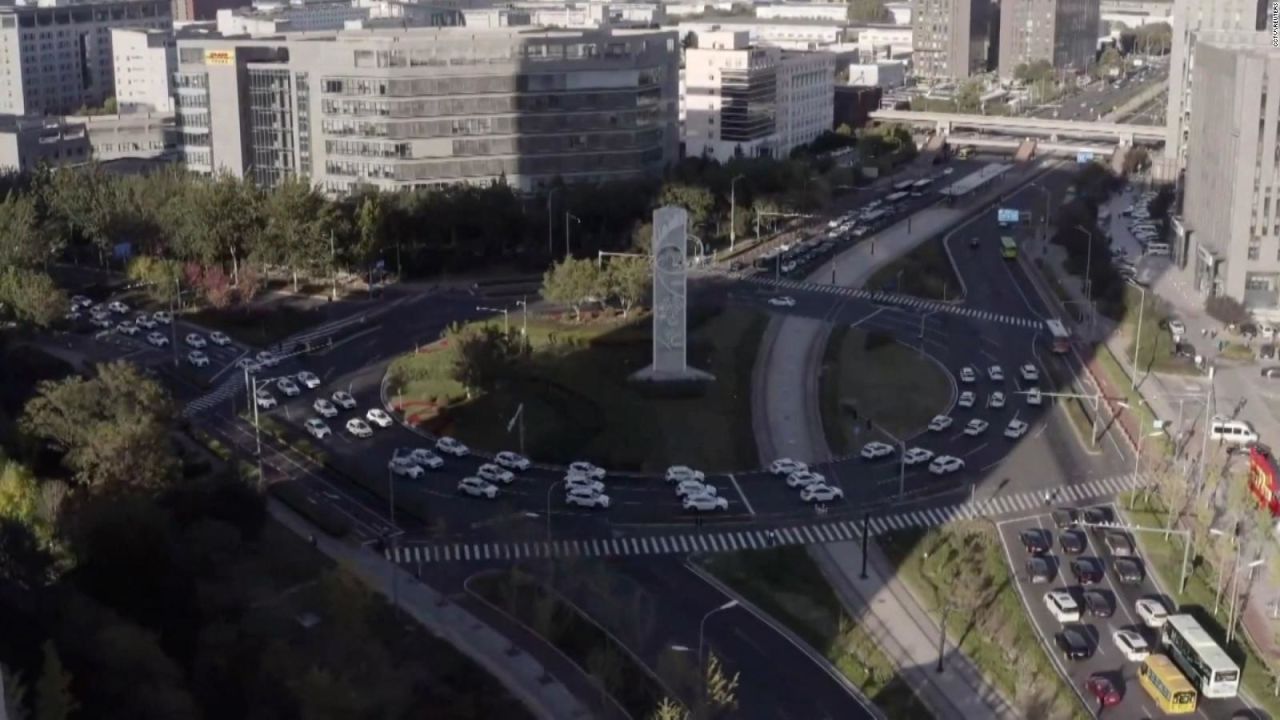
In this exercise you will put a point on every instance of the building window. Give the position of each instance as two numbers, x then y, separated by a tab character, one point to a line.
1254	251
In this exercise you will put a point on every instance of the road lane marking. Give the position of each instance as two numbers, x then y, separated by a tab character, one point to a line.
741	494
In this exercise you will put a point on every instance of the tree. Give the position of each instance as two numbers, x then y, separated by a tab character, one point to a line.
299	221
868	11
31	297
227	219
160	276
1110	58
54	700
1226	310
697	200
969	96
216	287
721	689
669	709
251	282
23	240
629	280
113	428
13	695
485	355
572	282
23	561
21	501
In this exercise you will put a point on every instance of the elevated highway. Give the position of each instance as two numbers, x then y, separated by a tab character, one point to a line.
947	123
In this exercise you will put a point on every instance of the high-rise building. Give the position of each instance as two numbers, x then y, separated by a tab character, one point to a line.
951	39
59	53
1231	210
430	107
1062	32
186	11
1190	18
742	100
144	63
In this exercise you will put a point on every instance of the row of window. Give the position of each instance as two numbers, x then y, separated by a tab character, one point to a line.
485	84
500	125
534	51
622	100
479	167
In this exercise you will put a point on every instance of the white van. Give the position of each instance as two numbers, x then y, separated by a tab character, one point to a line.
1157	248
1236	432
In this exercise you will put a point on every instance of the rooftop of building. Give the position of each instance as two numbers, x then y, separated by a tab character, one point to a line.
751	20
397	32
17	5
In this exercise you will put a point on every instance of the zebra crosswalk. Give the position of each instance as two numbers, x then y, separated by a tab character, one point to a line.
232	384
757	538
906	301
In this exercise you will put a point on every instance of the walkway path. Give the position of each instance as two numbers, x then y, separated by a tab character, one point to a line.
787	423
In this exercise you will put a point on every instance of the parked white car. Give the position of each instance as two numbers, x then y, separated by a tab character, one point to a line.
162	317
309	380
1152	612
876	450
318	428
995	400
403	467
359	428
996	373
786	466
343	399
144	321
821	493
511	461
267	358
704	502
945	465
495	474
782	301
117	307
219	339
1062	606
917	455
379	417
288	387
940	423
477	487
582	481
680	473
450	446
805	478
583	497
1015	429
1131	644
1029	373
264	399
324	408
976	426
1034	397
157	339
586	469
423	457
967	399
198	359
195	340
80	301
127	328
694	487
967	375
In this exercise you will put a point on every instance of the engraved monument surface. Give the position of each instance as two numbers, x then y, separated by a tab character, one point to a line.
670	280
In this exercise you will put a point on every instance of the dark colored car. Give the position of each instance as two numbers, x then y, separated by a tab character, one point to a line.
1267	352
1096	516
1098	604
1271	372
1065	517
1186	350
1073	541
1037	541
1119	543
1103	690
1129	570
1087	570
1073	644
1039	570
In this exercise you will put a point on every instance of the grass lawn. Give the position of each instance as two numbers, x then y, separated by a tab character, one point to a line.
925	272
881	379
995	632
579	403
1156	349
258	327
786	583
1164	558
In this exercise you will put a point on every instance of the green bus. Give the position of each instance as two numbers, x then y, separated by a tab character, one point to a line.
1008	248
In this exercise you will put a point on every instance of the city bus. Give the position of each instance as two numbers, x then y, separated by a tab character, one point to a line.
1205	664
903	186
1059	336
1008	248
1172	692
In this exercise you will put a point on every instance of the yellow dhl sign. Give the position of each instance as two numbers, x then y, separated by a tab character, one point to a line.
219	57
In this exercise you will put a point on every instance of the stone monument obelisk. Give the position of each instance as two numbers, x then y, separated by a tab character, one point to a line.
670	316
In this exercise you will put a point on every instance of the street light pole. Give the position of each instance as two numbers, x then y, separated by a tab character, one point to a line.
1088	277
702	626
733	206
567	217
549	489
551	222
922	319
1137	342
506	328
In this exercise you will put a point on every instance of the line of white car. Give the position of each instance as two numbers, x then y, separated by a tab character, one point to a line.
812	485
694	491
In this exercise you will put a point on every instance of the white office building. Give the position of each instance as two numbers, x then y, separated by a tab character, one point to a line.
144	61
309	17
804	11
883	41
744	100
784	34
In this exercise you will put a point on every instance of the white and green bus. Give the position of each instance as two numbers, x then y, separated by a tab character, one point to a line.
1202	660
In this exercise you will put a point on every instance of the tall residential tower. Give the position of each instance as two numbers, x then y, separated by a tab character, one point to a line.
951	39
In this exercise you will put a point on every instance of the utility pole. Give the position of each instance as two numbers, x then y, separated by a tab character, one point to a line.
1204	447
333	267
733	205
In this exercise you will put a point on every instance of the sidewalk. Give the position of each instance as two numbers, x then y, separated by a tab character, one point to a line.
520	673
786	421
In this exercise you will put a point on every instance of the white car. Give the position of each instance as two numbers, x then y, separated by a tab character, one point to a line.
967	375
1177	328
101	322
586	469
267	358
309	380
1152	612
582	481
782	301
343	399
704	502
79	301
359	428
805	478
475	487
288	387
976	426
318	428
127	328
694	487
967	399
945	464
195	340
404	467
511	461
449	446
995	400
940	423
264	399
378	417
1015	429
198	359
917	455
219	339
324	408
821	493
162	316
424	458
495	474
1062	606
245	363
1034	397
71	316
144	321
583	497
157	339
787	466
1131	644
680	473
995	373
117	307
1029	373
876	450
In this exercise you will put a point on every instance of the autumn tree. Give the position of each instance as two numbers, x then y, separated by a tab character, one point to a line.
31	297
573	282
484	356
629	280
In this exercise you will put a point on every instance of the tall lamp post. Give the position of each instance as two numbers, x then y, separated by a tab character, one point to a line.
505	316
702	627
733	206
1137	341
567	217
1048	209
902	459
549	489
551	222
1088	267
1157	430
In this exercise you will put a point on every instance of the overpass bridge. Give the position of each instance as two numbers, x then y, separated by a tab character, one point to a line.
946	123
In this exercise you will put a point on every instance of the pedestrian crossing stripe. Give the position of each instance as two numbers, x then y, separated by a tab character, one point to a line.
758	538
232	384
907	301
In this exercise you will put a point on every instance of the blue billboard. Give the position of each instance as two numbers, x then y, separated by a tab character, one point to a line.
1083	157
1007	216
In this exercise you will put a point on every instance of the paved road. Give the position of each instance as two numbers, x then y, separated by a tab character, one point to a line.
1100	98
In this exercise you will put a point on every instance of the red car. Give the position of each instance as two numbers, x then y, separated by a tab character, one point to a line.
1104	691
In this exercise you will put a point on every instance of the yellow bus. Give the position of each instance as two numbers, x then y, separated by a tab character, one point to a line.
1008	248
1171	690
